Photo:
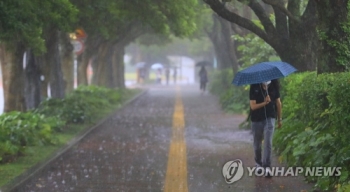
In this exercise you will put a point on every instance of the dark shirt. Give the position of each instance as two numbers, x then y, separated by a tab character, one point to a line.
203	76
258	94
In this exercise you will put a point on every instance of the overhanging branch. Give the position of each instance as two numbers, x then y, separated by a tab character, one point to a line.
223	12
281	7
263	17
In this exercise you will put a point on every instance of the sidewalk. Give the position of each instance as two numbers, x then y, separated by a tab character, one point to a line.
214	138
129	151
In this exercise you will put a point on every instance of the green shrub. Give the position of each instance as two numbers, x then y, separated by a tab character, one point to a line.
316	109
79	105
235	99
66	110
18	130
232	98
96	95
220	81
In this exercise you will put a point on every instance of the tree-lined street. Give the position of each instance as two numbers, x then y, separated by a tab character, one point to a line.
65	64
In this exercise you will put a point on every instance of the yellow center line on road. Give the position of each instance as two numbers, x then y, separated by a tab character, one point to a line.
176	175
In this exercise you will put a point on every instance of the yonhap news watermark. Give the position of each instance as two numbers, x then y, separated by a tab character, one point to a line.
234	171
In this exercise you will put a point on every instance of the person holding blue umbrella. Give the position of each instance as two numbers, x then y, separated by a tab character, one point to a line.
265	105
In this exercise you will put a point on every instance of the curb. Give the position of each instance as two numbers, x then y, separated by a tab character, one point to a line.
31	172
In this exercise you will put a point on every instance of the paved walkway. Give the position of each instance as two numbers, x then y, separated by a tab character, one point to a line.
170	139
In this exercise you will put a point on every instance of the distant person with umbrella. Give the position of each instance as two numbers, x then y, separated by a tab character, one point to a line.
158	67
140	70
203	79
265	106
142	75
159	76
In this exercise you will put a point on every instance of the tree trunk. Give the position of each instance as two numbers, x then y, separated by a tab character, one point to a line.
334	27
92	44
101	65
53	59
67	63
298	43
45	75
118	65
110	78
229	45
32	83
300	49
13	77
103	72
94	66
82	67
223	44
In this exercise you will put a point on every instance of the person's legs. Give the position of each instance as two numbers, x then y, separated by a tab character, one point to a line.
258	133
268	136
201	85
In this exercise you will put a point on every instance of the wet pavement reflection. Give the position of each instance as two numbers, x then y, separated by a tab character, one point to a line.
130	151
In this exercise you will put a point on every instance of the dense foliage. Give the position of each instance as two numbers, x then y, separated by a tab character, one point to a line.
113	19
79	106
19	130
254	50
316	112
314	134
23	21
232	98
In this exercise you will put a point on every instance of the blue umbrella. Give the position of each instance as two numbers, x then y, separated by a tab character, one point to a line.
263	72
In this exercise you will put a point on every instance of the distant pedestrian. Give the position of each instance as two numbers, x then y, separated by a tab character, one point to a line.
142	75
159	76
174	75
265	105
203	79
167	73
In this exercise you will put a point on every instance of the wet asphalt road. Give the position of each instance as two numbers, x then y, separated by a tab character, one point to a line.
129	152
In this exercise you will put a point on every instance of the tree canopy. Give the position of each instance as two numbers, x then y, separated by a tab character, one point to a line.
23	21
42	27
110	19
294	32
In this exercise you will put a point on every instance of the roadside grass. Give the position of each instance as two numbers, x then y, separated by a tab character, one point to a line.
39	154
132	76
34	155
